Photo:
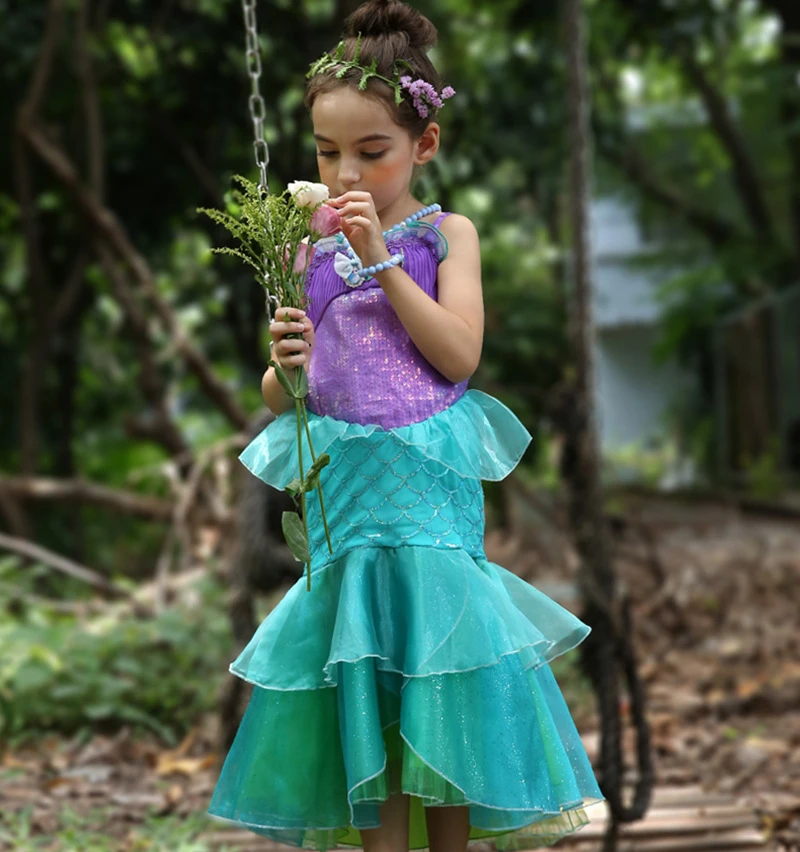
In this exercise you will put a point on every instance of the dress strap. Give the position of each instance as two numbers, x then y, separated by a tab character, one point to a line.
441	217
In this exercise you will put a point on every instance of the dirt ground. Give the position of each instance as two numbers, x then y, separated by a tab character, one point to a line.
716	595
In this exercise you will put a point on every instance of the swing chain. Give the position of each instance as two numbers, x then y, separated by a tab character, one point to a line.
255	101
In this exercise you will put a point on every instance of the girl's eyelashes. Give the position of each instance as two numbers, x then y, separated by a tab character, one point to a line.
367	155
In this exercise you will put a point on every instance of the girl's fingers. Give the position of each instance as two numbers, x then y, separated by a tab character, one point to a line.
291	314
353	208
291	353
359	222
288	363
284	328
347	197
290	344
288	321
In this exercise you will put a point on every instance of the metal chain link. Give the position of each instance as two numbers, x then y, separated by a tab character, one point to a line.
255	101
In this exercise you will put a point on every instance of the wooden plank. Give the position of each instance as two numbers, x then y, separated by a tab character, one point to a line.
676	827
749	842
243	841
689	796
682	819
745	841
682	810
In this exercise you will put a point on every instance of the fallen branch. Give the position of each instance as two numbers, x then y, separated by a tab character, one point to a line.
162	427
87	492
62	564
114	499
110	229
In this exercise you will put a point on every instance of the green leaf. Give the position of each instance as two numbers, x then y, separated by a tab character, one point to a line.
284	380
322	461
311	480
312	477
294	487
99	711
295	536
302	384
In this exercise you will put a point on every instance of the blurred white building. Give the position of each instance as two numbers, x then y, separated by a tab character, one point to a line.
634	392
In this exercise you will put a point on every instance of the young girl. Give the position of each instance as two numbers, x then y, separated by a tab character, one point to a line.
406	700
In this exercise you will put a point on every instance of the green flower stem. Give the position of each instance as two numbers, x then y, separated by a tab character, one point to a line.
299	415
319	486
269	231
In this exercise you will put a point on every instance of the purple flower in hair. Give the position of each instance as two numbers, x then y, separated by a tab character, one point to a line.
424	95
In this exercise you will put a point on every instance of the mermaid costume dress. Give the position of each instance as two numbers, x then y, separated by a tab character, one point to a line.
414	664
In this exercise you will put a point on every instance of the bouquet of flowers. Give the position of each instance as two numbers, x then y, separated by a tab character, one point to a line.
275	235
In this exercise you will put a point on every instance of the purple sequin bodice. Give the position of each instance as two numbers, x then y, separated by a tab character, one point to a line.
365	368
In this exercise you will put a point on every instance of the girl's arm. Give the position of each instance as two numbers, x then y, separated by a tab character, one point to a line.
274	395
449	333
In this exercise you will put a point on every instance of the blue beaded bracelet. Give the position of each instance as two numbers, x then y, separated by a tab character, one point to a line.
369	271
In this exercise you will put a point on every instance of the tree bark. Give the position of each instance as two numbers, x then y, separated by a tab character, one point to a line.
110	229
744	172
59	563
91	493
660	29
597	576
607	653
38	280
160	427
602	650
789	13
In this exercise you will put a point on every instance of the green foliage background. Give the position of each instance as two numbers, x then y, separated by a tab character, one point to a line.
148	104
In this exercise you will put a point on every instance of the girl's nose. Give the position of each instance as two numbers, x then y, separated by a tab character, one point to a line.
348	172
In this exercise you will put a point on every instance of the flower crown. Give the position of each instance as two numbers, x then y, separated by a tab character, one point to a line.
424	95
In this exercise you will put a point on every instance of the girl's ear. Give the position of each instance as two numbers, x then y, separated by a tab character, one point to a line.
427	145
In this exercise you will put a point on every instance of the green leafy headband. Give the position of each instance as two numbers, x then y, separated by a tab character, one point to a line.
424	95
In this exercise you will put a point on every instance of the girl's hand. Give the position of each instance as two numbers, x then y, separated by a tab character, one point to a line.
291	352
361	226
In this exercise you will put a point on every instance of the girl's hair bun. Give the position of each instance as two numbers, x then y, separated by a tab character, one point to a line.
386	17
391	32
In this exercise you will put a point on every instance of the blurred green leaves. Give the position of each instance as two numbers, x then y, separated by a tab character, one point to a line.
172	96
72	673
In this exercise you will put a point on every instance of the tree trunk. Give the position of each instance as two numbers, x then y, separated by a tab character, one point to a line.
790	103
607	653
586	507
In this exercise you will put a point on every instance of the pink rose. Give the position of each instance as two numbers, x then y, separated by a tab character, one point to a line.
325	223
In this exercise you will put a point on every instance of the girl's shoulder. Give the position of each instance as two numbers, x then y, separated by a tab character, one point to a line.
440	233
456	224
459	232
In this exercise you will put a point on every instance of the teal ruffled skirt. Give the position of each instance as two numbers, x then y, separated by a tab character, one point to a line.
414	664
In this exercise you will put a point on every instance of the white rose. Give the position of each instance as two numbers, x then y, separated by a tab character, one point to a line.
307	194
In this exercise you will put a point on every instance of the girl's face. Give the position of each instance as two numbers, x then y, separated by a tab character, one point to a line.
359	147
